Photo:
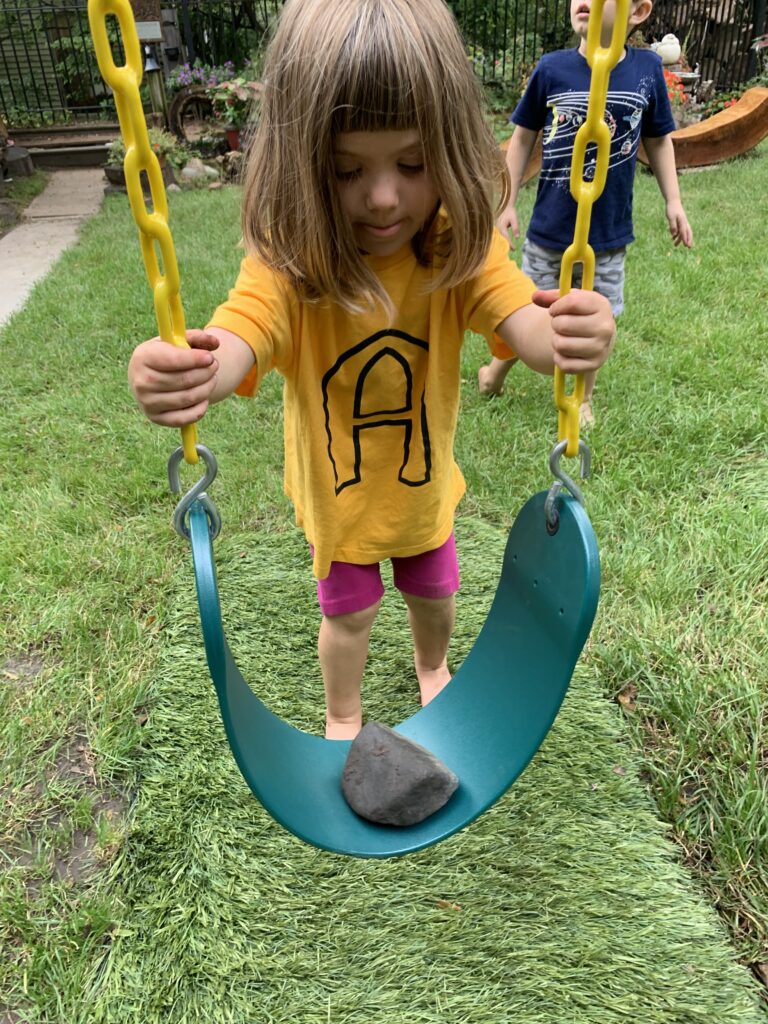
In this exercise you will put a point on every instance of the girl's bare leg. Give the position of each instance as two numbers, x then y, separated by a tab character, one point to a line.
342	647
490	378
586	416
431	621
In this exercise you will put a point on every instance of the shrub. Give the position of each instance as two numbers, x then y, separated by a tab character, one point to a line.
163	144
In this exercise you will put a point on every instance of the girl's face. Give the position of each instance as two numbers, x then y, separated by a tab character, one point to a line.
384	188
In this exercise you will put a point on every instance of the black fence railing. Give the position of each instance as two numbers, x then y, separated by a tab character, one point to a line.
716	36
49	74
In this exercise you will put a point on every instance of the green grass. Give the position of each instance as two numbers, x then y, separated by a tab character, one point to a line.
141	881
18	195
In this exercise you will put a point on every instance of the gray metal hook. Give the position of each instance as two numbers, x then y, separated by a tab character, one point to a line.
563	480
195	493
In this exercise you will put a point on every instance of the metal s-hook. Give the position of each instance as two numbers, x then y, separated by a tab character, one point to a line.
563	480
195	493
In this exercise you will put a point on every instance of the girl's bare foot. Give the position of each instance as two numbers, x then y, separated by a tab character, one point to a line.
486	382
432	681
586	416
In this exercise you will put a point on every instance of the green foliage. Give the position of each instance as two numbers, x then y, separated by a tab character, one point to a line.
235	101
164	144
76	81
505	41
727	98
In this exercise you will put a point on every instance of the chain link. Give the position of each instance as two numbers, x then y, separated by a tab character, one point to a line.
594	131
154	233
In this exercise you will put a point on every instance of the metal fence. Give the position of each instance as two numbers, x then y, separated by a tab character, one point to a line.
716	36
48	70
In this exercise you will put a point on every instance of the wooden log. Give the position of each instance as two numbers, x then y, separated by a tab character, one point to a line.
729	133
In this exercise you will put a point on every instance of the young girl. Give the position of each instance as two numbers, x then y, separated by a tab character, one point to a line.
368	218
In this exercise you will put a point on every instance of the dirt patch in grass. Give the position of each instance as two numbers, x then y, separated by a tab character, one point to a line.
22	671
74	820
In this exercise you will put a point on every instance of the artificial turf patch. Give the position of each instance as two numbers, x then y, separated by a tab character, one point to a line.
564	903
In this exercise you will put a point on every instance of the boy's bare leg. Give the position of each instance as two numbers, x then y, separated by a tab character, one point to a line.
490	378
586	416
342	646
432	621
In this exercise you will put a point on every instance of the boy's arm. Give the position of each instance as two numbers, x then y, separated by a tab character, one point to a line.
174	386
518	154
576	332
661	157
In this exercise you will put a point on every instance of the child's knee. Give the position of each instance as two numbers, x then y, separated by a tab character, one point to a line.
430	608
357	622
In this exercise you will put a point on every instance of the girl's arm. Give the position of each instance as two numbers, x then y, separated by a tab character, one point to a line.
174	386
661	157
575	332
518	154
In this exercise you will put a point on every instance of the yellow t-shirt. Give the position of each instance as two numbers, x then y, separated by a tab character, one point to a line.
370	408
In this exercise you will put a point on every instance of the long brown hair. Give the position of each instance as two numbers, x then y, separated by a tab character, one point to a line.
367	65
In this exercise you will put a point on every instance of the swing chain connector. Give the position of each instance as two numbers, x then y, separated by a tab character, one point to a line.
195	493
563	480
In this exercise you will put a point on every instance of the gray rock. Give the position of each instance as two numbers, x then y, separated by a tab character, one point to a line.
391	780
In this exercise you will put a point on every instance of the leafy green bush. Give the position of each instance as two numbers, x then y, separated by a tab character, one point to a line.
163	145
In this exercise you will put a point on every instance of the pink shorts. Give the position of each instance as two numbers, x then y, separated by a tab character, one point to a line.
351	588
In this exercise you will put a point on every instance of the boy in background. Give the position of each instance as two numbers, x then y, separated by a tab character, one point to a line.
555	102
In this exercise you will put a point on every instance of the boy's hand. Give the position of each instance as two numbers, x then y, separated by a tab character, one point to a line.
679	227
508	221
172	385
583	328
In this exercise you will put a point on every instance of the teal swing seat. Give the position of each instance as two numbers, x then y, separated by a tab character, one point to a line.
486	725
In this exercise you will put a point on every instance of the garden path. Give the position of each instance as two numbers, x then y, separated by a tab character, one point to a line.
49	225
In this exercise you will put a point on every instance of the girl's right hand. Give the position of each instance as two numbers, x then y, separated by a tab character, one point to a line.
173	385
508	222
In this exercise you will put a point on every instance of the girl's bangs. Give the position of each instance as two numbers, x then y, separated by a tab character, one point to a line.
379	95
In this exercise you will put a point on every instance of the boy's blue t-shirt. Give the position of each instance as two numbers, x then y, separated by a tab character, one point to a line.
555	101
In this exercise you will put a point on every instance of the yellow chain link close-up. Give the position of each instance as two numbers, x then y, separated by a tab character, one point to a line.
154	233
594	130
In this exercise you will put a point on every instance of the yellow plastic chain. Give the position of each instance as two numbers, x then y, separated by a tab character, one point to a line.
153	227
601	60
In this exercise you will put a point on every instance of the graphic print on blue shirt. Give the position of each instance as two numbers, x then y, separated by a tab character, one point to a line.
555	102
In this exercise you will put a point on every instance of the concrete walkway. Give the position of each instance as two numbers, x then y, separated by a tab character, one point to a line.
49	225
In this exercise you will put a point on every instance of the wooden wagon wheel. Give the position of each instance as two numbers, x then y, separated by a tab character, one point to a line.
189	98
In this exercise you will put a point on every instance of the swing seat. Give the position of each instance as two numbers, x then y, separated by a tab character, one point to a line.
486	725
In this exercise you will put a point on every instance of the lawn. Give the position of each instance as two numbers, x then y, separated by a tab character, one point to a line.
18	195
622	878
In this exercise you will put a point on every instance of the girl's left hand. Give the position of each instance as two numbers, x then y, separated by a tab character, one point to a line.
583	328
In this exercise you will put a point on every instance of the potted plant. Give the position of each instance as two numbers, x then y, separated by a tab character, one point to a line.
170	154
234	103
679	100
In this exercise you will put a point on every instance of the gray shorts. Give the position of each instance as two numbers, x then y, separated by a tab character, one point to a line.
543	267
